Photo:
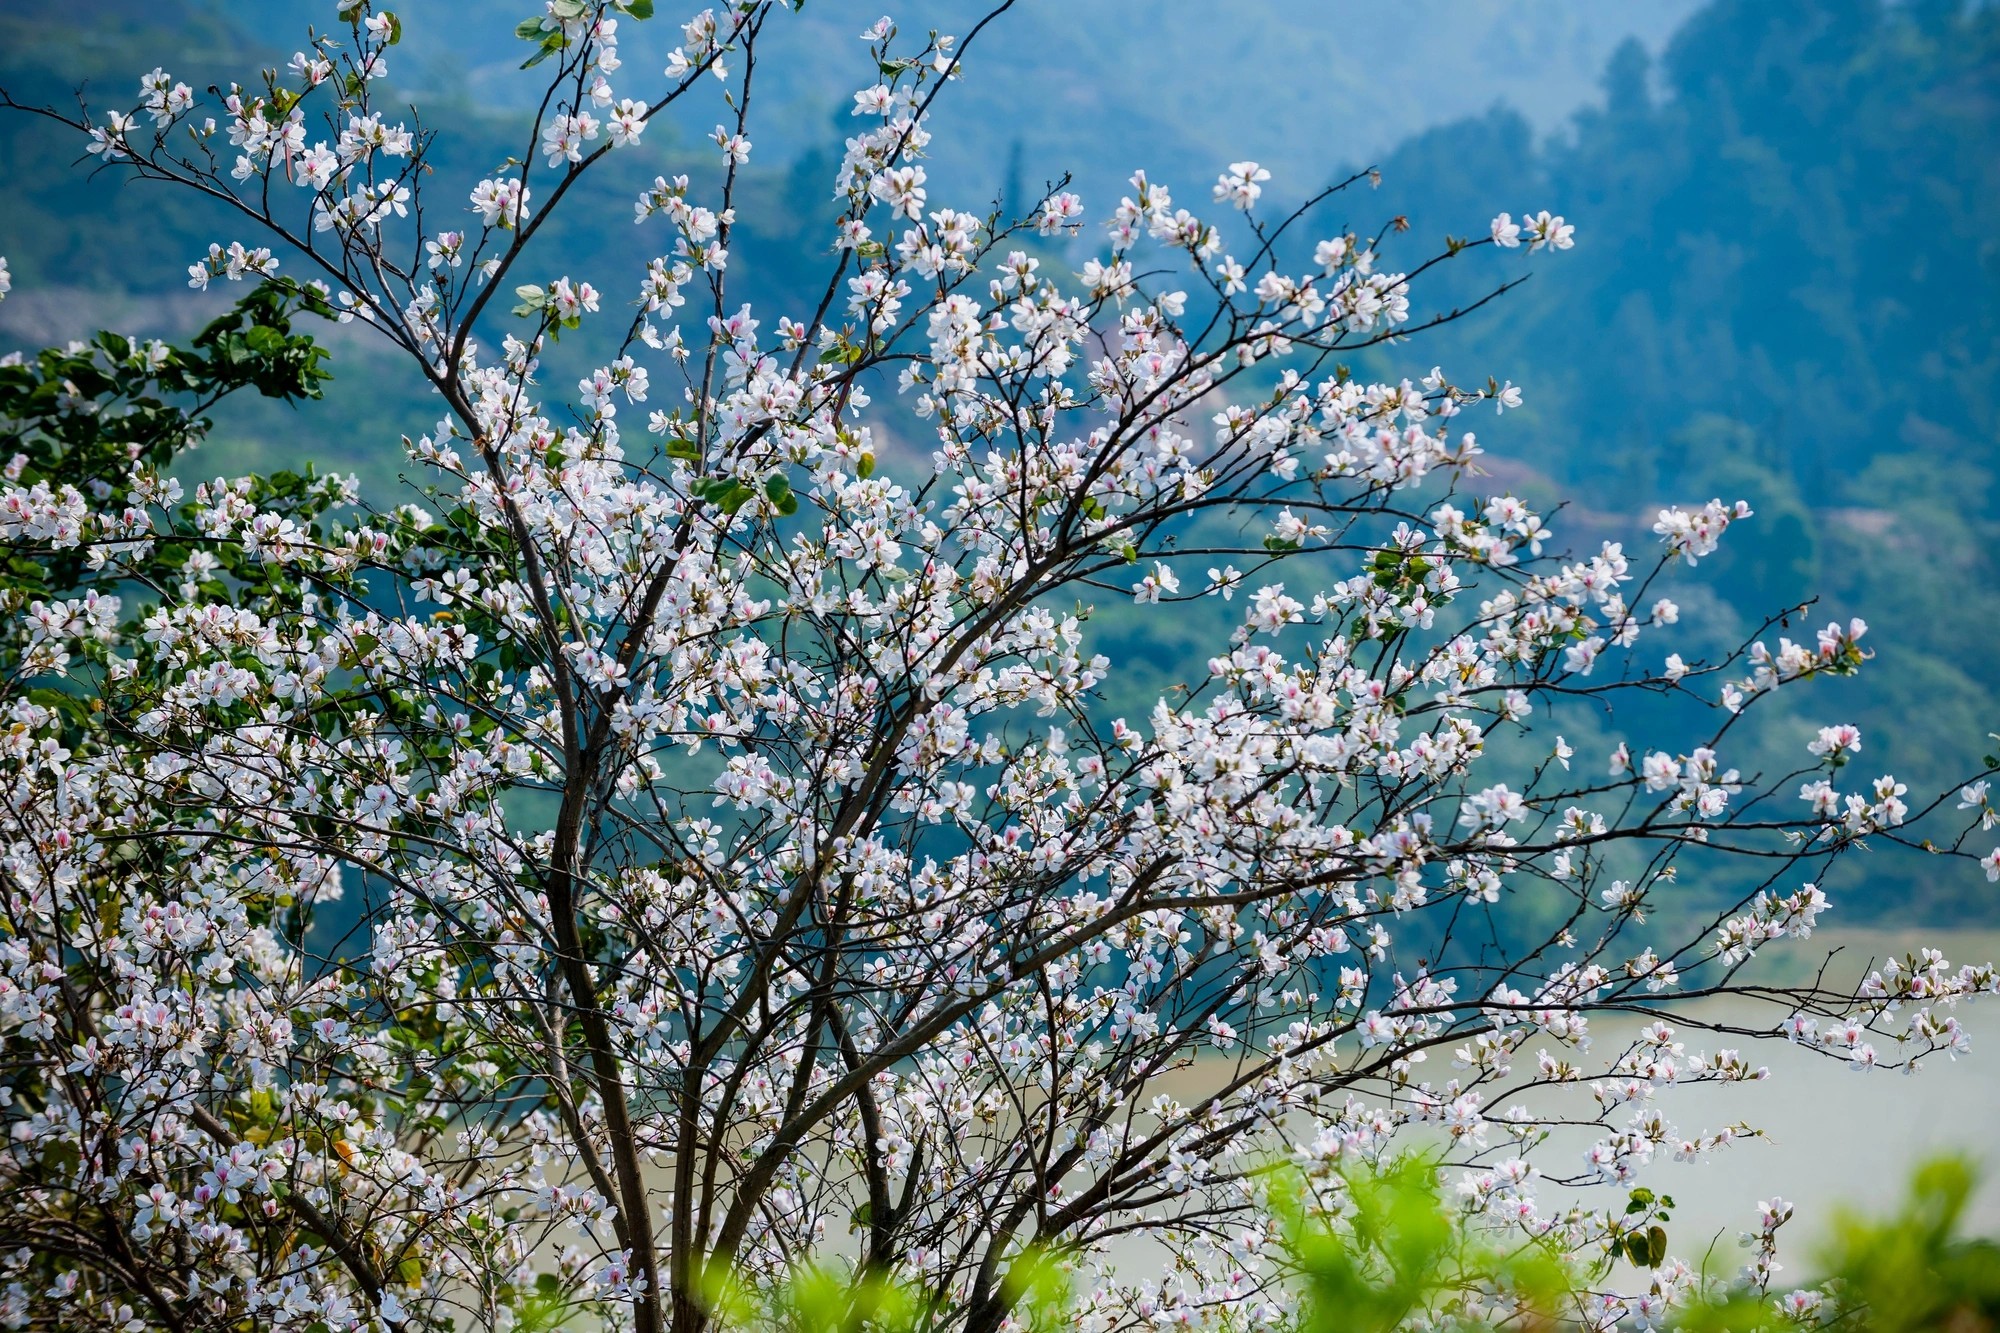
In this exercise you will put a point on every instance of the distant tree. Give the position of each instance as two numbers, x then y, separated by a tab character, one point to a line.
739	867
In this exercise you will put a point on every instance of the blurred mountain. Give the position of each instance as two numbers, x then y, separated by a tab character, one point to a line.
1099	88
1306	86
1786	288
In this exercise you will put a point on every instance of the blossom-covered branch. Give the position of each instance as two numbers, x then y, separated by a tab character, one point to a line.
722	840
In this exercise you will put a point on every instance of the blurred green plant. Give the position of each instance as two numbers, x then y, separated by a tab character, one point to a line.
1390	1253
818	1298
1910	1272
1395	1256
1915	1271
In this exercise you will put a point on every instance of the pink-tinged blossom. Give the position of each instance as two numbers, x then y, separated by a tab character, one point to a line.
625	122
316	167
1241	185
501	202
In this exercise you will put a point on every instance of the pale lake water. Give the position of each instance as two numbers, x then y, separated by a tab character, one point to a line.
1838	1136
1835	1137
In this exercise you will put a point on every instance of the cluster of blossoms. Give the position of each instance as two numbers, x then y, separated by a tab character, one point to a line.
734	850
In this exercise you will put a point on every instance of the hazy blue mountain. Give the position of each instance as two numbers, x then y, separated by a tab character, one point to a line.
1098	88
1786	287
1306	86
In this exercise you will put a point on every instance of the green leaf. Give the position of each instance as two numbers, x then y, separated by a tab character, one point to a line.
683	449
364	644
395	28
725	493
864	466
639	9
551	44
529	30
1280	545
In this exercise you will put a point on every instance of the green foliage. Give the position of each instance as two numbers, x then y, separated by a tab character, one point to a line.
1911	1272
819	1298
1916	1271
1396	1254
546	1309
83	416
80	414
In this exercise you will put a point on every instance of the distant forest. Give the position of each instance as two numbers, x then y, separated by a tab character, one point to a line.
1786	288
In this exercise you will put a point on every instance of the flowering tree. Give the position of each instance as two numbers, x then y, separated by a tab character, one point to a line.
698	846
